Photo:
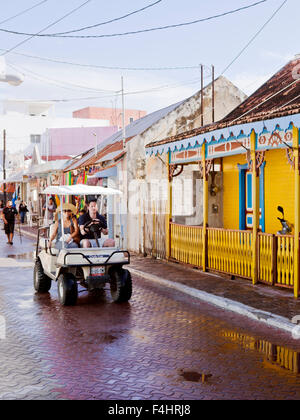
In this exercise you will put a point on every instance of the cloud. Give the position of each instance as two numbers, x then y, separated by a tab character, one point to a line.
284	58
52	82
249	82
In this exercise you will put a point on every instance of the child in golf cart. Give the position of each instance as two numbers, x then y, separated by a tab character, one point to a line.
87	238
71	229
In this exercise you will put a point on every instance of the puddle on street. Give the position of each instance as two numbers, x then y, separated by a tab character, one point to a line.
24	256
192	376
275	356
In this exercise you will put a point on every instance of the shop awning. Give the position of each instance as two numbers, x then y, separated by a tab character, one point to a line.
105	173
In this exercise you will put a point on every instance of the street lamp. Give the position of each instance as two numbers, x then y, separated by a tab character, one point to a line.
13	80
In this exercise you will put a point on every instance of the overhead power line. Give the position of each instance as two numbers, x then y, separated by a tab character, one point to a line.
96	66
47	27
23	12
60	83
109	21
141	30
118	93
254	37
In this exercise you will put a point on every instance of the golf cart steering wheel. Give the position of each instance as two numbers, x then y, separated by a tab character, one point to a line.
93	226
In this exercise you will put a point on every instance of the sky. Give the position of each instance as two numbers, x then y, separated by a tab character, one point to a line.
216	41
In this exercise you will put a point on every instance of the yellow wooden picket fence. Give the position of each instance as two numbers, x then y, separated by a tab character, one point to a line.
230	252
186	244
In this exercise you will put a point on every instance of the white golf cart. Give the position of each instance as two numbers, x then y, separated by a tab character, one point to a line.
91	267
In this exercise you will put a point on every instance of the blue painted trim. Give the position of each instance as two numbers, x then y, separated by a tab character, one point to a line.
249	191
242	196
250	220
262	197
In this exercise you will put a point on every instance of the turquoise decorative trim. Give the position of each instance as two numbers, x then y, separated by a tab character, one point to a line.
229	133
249	191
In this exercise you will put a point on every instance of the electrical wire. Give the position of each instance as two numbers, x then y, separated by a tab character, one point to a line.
252	109
47	27
109	21
58	61
23	12
118	93
254	37
266	100
56	82
138	31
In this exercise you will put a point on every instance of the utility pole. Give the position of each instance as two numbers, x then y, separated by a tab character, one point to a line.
4	165
213	94
202	107
123	115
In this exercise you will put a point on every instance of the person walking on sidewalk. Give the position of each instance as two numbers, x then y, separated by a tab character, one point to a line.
9	215
50	207
22	211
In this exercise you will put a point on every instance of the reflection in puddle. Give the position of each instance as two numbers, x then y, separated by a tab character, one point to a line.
25	256
275	355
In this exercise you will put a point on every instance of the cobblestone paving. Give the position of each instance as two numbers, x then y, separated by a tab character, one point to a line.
162	345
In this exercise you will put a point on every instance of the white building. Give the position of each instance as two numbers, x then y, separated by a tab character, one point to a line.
25	121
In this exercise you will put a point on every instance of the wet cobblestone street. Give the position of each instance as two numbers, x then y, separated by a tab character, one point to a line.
162	345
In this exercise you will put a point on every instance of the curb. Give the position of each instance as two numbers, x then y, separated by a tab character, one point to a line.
268	318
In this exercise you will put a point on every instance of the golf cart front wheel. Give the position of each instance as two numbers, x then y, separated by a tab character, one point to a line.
41	282
67	289
120	285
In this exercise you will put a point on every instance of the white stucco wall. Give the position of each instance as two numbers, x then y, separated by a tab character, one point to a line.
185	117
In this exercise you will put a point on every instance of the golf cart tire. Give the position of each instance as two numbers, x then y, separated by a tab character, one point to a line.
120	285
67	289
41	282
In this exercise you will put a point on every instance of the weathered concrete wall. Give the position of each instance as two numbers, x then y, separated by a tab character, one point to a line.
151	170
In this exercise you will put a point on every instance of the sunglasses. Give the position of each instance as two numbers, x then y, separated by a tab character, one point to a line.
65	211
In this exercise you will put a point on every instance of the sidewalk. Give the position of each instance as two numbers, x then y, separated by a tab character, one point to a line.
273	306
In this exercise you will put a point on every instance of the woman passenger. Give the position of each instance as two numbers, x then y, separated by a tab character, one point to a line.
71	229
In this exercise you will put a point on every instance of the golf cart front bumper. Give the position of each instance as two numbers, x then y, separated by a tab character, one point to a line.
85	257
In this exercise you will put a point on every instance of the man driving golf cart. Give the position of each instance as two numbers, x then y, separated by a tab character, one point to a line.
90	223
91	267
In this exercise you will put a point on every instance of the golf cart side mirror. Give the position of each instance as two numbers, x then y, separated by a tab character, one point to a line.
279	208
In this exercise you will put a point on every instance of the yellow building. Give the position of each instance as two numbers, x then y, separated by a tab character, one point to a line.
250	162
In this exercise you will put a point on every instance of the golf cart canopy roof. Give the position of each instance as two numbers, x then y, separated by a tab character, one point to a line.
80	189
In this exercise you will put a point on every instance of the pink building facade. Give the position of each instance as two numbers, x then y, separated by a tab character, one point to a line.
63	143
113	115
